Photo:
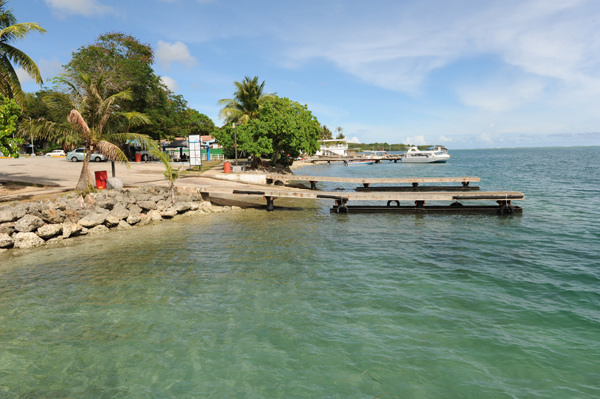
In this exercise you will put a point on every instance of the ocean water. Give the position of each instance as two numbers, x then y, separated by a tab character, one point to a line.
300	303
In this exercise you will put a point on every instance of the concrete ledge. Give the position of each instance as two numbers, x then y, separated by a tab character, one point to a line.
250	178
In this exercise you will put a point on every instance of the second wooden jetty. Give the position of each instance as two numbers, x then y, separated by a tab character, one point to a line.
395	201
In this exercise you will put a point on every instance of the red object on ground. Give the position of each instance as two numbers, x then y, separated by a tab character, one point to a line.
138	157
227	167
101	177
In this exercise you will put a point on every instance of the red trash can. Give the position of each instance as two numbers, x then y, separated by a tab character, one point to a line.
138	157
227	167
101	177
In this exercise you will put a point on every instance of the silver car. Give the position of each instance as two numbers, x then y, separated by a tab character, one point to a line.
79	153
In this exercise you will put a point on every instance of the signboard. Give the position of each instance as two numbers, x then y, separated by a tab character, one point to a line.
195	150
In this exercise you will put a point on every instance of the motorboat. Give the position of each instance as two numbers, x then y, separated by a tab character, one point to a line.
360	162
438	154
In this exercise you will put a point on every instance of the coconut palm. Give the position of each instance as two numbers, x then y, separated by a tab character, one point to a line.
247	100
10	30
98	121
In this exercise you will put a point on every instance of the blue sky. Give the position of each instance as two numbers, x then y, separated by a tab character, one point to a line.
462	73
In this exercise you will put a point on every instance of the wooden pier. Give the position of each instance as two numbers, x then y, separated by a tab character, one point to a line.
411	200
366	182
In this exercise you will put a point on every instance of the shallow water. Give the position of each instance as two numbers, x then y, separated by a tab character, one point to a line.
302	303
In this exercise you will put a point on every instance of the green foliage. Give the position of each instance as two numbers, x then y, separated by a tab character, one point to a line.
283	130
9	115
246	103
325	133
170	173
10	31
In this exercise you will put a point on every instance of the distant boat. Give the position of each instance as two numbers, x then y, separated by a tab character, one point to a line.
359	162
437	154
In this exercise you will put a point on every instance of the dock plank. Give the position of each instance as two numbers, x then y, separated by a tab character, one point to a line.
372	180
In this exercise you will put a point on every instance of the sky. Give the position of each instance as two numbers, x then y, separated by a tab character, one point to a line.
461	73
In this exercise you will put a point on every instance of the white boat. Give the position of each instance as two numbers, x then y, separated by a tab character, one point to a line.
359	162
437	154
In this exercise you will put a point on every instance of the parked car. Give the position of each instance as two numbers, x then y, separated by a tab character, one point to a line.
79	153
56	153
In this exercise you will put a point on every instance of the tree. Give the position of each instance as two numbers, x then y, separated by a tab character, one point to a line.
9	114
325	133
10	30
126	64
340	132
99	121
247	101
283	130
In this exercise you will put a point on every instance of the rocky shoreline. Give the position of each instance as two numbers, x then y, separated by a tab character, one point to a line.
38	223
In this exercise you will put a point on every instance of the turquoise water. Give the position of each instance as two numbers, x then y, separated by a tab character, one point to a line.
304	304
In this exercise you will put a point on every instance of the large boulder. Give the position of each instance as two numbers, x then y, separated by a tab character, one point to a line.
147	205
6	241
27	240
7	214
71	229
154	215
7	228
28	223
50	230
94	218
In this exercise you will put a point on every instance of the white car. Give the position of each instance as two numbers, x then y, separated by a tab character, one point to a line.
56	153
78	154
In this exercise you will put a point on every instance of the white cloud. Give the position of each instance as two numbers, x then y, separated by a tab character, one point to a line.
416	140
444	139
79	7
353	140
178	52
502	96
399	45
170	83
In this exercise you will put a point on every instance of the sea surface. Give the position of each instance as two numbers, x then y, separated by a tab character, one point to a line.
301	303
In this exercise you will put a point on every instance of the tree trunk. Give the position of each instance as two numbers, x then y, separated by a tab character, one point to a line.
85	178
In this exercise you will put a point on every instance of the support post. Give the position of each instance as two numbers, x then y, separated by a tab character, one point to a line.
270	206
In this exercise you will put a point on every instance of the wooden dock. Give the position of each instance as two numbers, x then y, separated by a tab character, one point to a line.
366	182
398	201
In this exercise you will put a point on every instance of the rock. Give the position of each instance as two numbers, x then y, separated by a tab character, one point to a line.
100	229
123	225
52	215
7	214
89	200
71	229
93	219
169	213
6	241
114	183
28	223
20	211
147	205
27	240
7	228
106	203
154	215
182	207
144	220
134	217
49	230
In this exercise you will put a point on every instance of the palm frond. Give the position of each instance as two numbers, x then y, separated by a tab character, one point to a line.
77	120
112	151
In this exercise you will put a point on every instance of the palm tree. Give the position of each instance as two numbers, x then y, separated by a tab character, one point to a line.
248	98
10	86
98	121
